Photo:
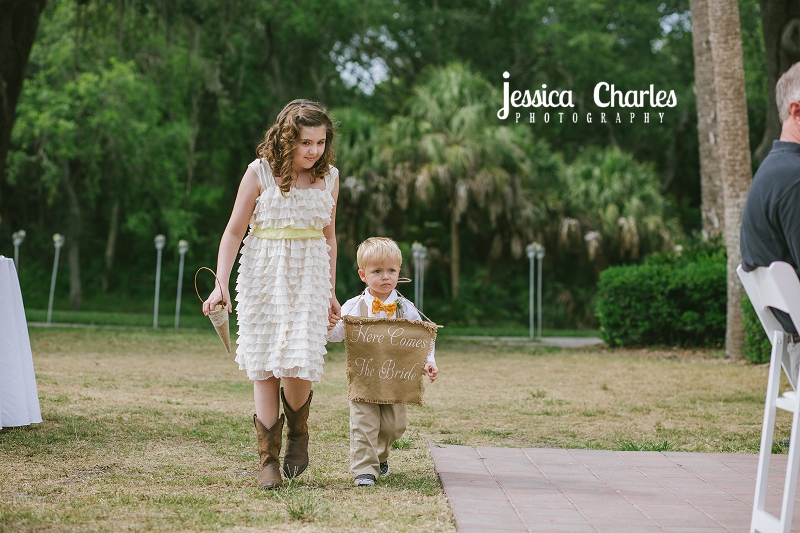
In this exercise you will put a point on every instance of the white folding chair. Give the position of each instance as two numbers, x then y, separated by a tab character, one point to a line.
776	286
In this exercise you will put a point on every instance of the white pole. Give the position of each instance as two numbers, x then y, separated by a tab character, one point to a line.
417	274
17	237
540	256
423	253
58	242
415	255
183	246
531	251
160	241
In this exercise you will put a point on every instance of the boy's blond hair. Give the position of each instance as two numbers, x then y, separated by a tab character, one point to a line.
376	250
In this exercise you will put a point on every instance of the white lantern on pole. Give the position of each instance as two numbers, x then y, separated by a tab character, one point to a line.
58	242
160	241
530	250
18	237
539	257
415	257
423	253
419	253
183	247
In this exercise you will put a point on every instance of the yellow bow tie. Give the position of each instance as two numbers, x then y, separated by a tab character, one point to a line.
378	306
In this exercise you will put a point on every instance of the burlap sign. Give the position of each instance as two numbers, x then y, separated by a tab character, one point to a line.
385	358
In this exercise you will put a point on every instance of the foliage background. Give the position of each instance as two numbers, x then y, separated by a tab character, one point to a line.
676	298
139	117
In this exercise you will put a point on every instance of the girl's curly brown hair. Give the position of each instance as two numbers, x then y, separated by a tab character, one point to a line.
281	140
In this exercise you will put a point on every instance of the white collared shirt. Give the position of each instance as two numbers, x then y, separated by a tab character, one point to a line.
351	307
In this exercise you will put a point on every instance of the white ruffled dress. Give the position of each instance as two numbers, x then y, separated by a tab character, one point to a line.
283	288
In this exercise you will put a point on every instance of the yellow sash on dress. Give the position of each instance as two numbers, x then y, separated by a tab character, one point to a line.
287	233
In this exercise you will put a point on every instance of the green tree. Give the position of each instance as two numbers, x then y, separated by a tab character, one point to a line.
614	205
92	137
364	187
19	20
449	148
142	117
568	45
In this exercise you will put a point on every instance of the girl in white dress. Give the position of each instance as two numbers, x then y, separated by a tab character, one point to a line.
287	278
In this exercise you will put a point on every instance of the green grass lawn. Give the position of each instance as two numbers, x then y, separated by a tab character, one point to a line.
197	320
107	318
152	430
454	331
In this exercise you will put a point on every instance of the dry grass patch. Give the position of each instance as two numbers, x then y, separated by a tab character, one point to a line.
678	400
152	431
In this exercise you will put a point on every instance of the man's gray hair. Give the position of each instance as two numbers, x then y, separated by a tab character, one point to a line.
787	90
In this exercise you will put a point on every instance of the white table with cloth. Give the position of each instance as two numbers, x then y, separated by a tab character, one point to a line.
19	400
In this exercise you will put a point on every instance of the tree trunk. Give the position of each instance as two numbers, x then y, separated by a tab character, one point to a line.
194	129
74	275
780	21
194	115
19	20
734	149
455	255
73	239
111	245
677	151
712	208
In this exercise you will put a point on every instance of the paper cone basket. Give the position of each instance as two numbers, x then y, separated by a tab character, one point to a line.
219	317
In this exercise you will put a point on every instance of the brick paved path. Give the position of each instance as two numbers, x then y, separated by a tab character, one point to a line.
576	491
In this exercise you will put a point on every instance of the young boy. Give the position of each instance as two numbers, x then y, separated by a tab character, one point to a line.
375	427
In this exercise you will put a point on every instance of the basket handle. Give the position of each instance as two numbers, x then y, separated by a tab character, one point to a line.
215	278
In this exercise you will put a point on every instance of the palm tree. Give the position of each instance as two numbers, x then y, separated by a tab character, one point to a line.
614	204
450	146
364	188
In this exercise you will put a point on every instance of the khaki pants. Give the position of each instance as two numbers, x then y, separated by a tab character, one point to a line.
373	429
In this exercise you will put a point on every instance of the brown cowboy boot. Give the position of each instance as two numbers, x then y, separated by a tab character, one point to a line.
269	450
296	459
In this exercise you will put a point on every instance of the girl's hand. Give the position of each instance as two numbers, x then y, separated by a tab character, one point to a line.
432	370
335	310
216	297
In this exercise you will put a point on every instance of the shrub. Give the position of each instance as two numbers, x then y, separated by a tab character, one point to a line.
676	302
757	347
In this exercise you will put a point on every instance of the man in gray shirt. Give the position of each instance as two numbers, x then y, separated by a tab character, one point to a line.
771	219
